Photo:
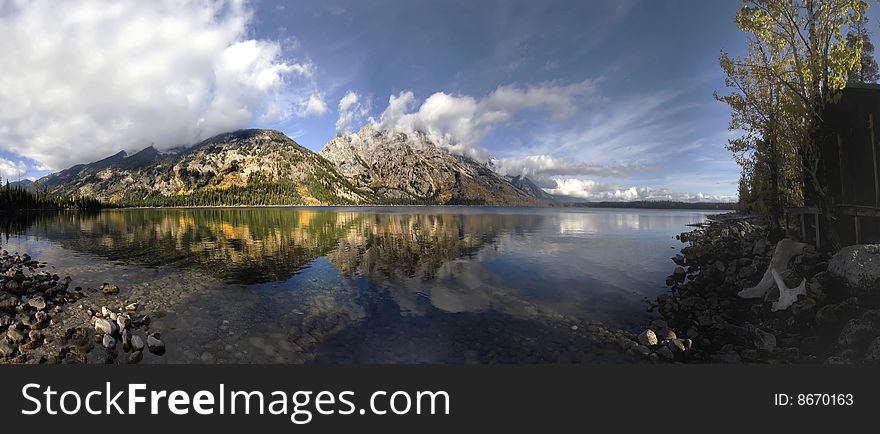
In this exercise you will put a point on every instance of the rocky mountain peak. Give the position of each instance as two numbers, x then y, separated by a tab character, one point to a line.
411	166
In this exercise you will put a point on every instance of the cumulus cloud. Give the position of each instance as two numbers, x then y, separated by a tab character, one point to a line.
461	121
353	110
315	106
12	170
595	191
84	79
541	167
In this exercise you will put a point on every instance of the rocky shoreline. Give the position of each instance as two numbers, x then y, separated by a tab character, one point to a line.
827	312
43	320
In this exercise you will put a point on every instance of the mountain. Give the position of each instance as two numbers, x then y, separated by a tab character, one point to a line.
529	187
265	167
411	167
246	167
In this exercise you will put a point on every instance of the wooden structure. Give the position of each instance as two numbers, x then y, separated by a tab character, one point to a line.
850	168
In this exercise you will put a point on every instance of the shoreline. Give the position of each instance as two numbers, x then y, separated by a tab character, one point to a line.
43	320
833	316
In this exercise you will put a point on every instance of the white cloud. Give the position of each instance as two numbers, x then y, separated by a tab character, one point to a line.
460	122
540	167
353	110
11	170
596	191
84	79
315	106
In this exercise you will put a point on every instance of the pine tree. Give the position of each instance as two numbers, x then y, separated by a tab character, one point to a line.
866	70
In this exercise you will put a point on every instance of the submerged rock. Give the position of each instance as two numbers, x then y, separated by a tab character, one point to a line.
155	345
108	288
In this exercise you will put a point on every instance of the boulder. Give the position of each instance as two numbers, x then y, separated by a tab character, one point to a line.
648	338
764	340
872	355
858	267
856	332
836	313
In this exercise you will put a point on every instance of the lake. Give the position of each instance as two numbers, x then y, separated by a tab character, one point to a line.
370	284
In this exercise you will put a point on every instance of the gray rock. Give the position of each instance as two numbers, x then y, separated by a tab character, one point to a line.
659	326
6	350
665	353
676	345
836	313
137	344
11	286
872	316
642	350
109	289
109	342
626	344
35	335
107	327
648	338
155	345
14	335
126	339
872	354
764	340
38	302
804	307
123	321
99	355
856	332
679	274
859	267
135	357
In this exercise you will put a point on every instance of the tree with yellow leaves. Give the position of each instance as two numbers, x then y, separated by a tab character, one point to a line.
798	62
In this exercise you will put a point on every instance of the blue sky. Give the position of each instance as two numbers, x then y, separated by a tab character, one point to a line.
607	99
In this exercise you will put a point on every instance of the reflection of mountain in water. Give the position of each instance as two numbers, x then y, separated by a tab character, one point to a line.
237	245
272	244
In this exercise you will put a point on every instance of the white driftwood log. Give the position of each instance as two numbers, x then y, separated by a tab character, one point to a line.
785	250
787	296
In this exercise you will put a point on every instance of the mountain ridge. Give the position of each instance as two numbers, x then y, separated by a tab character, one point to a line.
265	167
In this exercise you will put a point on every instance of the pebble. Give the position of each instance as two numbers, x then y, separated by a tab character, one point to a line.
38	302
109	289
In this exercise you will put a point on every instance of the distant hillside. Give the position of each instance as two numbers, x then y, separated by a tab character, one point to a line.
650	204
